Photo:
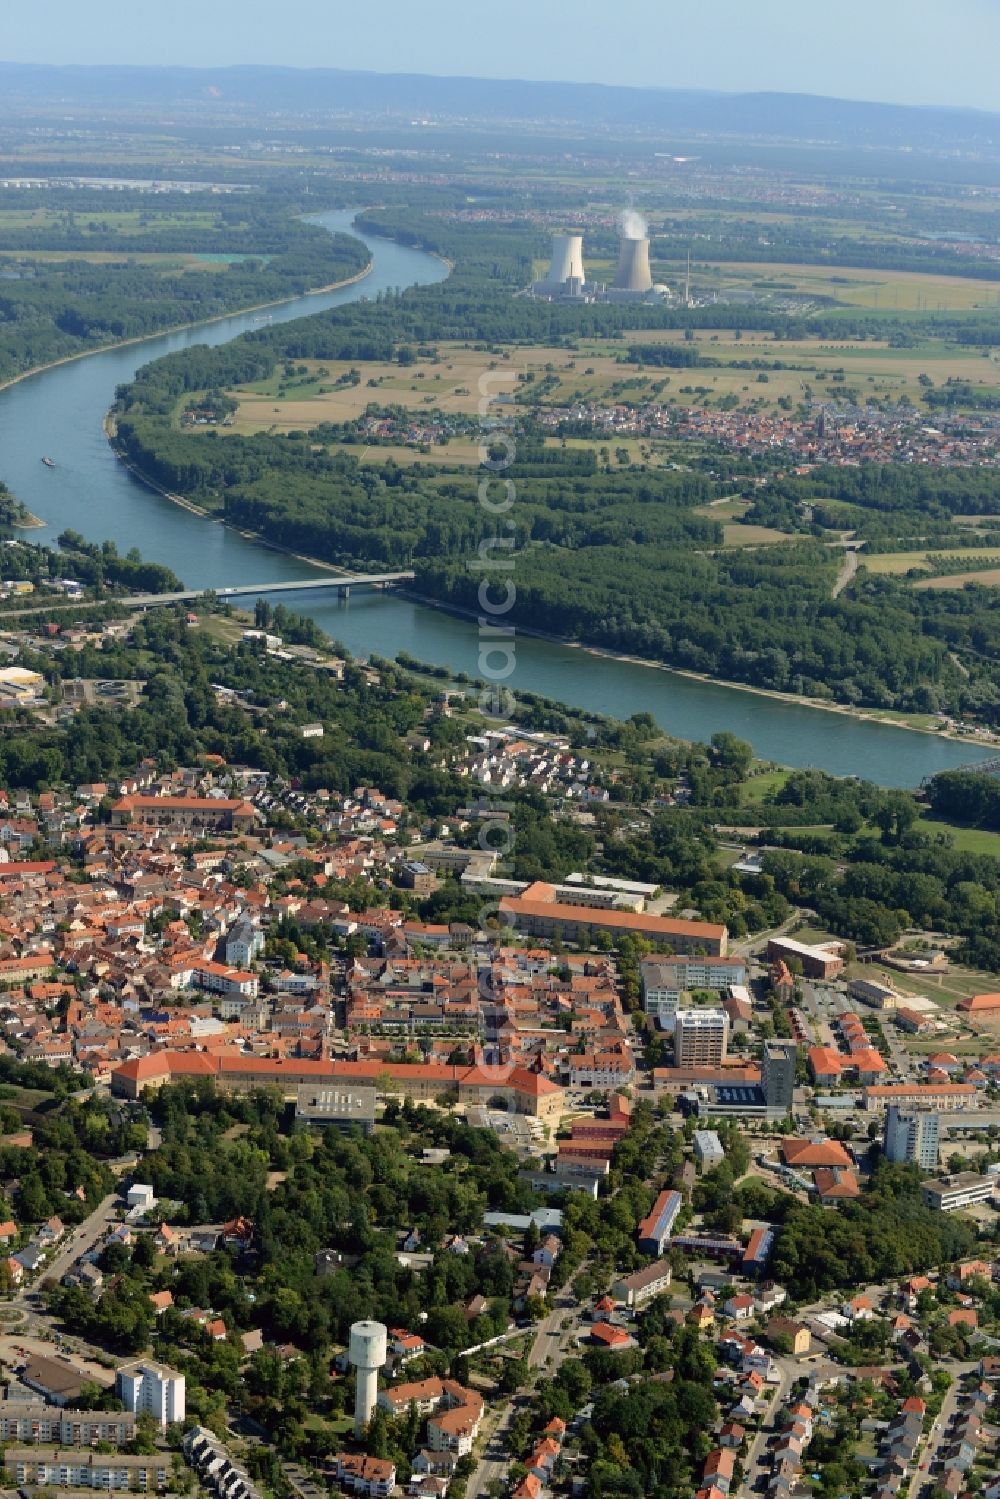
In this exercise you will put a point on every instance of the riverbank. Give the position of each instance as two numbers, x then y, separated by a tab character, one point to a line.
219	317
845	710
110	431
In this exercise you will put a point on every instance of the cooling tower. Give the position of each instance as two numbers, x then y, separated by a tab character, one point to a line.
633	266
567	259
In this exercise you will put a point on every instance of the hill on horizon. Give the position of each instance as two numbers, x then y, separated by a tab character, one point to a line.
330	93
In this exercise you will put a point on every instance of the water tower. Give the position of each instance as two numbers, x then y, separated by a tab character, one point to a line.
367	1352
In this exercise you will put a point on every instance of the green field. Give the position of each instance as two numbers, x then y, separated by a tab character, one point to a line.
895	564
967	840
761	786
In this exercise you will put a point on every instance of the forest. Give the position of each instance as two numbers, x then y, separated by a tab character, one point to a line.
54	308
626	559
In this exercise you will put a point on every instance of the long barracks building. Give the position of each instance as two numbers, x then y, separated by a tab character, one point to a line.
540	914
523	1091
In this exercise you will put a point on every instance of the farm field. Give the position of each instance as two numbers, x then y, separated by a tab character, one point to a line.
905	291
163	259
894	564
819	372
986	578
119	221
737	535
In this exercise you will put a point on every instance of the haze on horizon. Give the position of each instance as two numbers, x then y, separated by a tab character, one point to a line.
892	51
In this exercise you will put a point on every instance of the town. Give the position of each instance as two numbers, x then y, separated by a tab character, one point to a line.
207	955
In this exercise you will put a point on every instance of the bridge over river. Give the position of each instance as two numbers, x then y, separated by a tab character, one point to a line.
342	582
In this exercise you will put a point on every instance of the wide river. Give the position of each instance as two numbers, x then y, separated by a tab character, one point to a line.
59	412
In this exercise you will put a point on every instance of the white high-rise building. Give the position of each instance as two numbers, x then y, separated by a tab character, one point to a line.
145	1386
367	1352
912	1134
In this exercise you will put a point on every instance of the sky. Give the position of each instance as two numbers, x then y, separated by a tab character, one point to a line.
898	51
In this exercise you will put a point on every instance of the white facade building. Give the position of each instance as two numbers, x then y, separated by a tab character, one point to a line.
146	1386
912	1135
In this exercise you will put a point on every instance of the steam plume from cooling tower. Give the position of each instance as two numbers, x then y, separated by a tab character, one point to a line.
632	225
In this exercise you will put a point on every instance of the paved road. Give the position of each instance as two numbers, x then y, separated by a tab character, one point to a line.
77	1243
495	1460
758	1447
938	1435
758	942
848	568
15	1345
551	1345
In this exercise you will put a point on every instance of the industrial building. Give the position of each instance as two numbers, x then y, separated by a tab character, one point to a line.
633	276
912	1134
566	276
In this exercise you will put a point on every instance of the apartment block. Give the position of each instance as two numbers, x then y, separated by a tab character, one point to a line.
64	1427
912	1134
700	1038
146	1386
88	1470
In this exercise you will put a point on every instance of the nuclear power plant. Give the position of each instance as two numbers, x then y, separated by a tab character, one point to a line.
633	273
367	1352
567	280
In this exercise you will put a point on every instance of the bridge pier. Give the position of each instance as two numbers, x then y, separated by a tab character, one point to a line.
344	591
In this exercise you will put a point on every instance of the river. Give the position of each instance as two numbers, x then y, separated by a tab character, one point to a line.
59	412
